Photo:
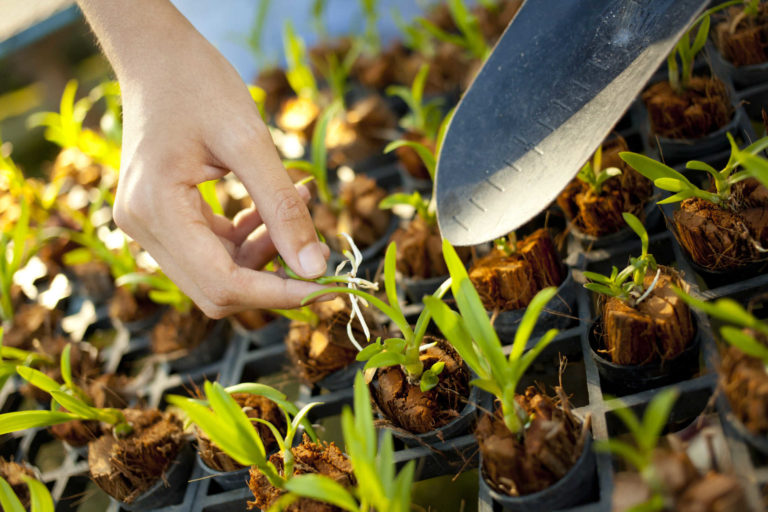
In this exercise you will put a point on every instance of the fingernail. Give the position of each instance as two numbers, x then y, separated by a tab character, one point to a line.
304	192
312	260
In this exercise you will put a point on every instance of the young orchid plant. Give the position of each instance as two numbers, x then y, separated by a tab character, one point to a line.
666	178
743	329
593	174
40	496
404	351
471	333
377	487
632	291
226	424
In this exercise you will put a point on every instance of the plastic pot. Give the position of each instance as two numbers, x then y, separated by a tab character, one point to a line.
559	313
210	350
271	334
454	428
633	378
416	289
227	480
341	379
652	216
678	151
576	487
759	443
160	494
712	278
742	76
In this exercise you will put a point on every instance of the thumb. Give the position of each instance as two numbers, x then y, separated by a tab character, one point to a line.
285	214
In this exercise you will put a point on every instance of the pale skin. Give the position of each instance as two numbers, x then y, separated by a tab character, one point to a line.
189	118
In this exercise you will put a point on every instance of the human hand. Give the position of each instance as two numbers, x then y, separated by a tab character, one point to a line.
188	118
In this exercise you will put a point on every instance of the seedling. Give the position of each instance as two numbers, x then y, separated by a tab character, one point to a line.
414	36
93	236
162	289
632	291
669	179
40	497
299	72
226	424
594	175
68	403
646	434
425	208
378	488
371	35
506	244
471	333
742	336
65	128
470	37
317	167
256	35
425	117
403	352
318	13
20	241
11	357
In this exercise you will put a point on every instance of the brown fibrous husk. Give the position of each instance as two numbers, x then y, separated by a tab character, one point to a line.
407	407
549	448
659	328
725	237
510	282
684	488
744	381
703	107
12	472
420	250
309	457
126	467
746	43
601	214
177	331
360	217
321	350
255	406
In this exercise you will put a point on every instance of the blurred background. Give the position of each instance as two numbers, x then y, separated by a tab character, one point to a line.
45	43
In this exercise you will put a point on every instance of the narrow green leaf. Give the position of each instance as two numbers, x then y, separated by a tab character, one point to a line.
390	268
369	351
452	326
655	418
40	497
385	359
38	379
745	343
528	323
22	420
66	366
322	488
623	450
8	499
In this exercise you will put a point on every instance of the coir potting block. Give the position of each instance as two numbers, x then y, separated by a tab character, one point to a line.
576	487
160	494
623	379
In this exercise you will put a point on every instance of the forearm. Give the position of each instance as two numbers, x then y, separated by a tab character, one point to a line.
139	37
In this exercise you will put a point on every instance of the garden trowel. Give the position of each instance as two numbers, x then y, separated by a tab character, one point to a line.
559	79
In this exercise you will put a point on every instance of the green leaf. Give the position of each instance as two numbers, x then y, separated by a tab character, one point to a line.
369	351
528	323
8	499
601	289
745	343
529	357
22	420
390	268
426	155
598	278
725	309
76	406
637	226
701	37
655	418
66	366
670	184
232	414
650	168
385	359
655	504
394	314
77	256
322	488
364	415
40	497
452	326
394	345
623	450
38	379
208	192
